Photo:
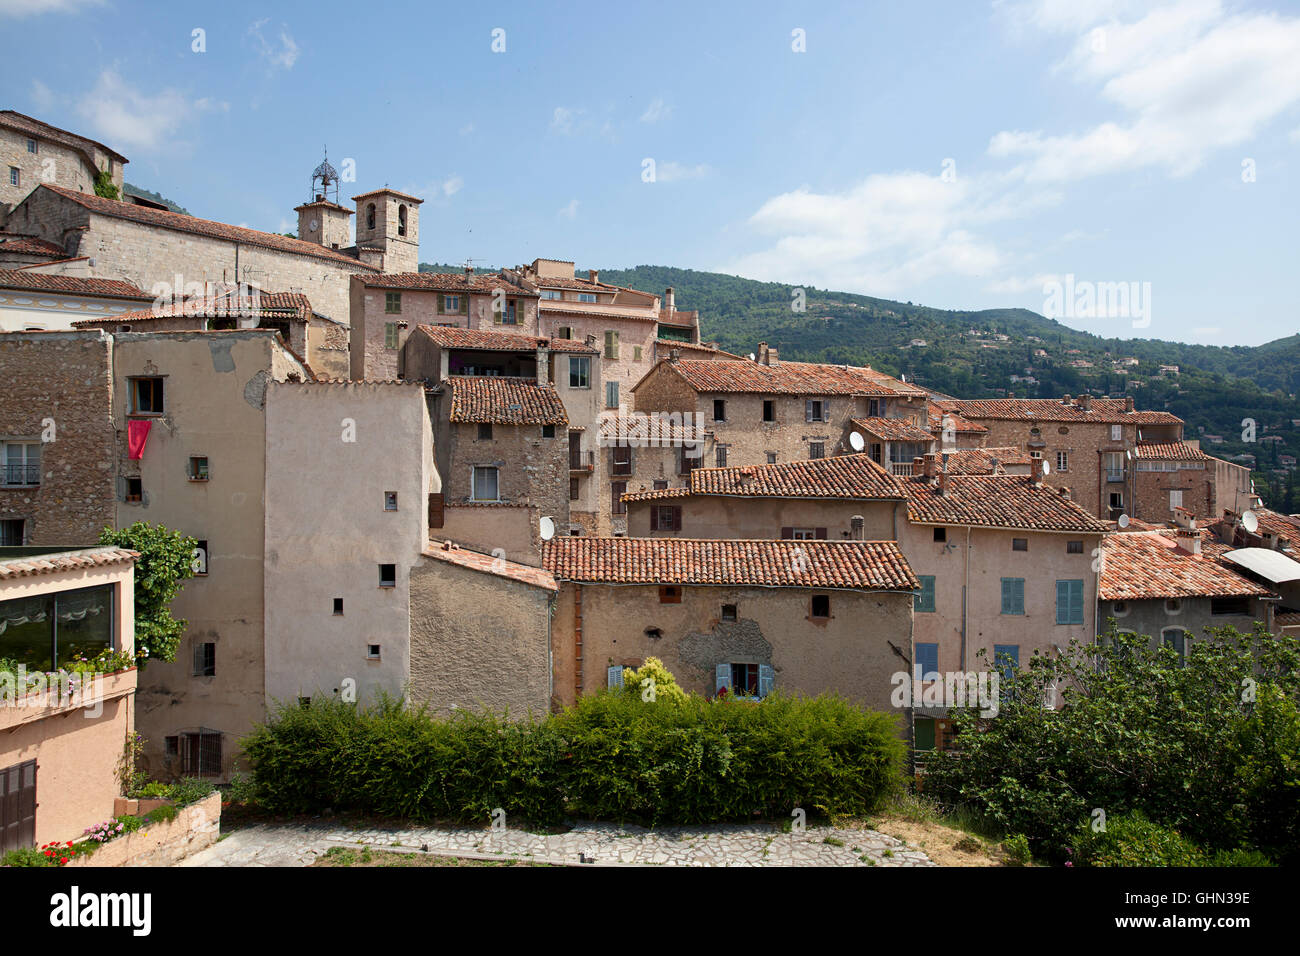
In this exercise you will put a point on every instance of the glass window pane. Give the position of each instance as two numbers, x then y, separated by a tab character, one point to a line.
85	623
27	632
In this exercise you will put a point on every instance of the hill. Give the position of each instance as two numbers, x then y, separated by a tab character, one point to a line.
149	194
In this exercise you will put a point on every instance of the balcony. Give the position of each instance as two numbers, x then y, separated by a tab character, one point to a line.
22	475
582	460
901	469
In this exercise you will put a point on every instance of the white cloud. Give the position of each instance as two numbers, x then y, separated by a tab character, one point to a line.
42	96
569	210
564	118
670	171
127	118
283	56
28	8
1017	285
452	185
656	111
1187	77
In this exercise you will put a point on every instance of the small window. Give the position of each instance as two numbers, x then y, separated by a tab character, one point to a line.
22	463
621	460
927	662
771	458
171	746
1069	601
484	431
1173	606
1062	461
564	331
485	484
1116	432
32	146
588	297
1013	596
923	599
611	342
728	612
816	449
134	489
1074	547
821	605
579	371
198	469
719	410
1229	605
573	489
450	304
205	659
548	431
1019	544
15	177
401	220
388	575
721	456
670	594
338	605
857	527
199	558
390	501
769	410
611	394
370	216
11	533
146	396
392	302
1119	608
940	534
660	484
1175	498
617	490
666	518
636	353
372	652
1117	501
815	410
392	338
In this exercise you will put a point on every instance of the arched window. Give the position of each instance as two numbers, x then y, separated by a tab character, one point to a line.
370	216
401	220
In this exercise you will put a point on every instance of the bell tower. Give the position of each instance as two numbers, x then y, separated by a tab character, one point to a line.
322	220
388	226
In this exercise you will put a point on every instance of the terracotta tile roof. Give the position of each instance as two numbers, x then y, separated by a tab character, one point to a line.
270	304
22	567
1146	564
642	429
165	219
858	565
29	246
454	337
1287	619
1276	523
979	461
1105	410
894	429
842	476
480	283
500	400
656	493
577	309
996	501
70	285
500	567
693	347
395	192
784	378
958	423
583	285
34	127
1169	451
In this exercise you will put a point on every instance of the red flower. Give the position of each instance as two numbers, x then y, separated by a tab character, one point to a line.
63	861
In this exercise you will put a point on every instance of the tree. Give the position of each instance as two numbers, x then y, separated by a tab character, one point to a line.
104	185
166	560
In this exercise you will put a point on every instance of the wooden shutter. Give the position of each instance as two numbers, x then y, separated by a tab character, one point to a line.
18	806
442	303
766	679
654	517
614	676
807	410
464	303
677	518
787	533
435	509
722	678
498	310
819	534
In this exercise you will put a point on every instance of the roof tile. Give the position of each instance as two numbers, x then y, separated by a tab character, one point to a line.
501	400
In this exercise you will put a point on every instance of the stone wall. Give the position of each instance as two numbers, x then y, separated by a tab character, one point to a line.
712	516
1151	491
52	163
164	843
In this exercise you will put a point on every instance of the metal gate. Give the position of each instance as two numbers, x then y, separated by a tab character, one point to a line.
18	806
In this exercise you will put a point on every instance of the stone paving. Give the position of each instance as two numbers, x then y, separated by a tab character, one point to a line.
597	844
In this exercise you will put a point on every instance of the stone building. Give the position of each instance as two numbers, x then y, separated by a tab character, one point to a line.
1172	475
750	616
31	301
33	152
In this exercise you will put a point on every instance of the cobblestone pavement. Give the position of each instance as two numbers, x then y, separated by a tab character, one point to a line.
595	843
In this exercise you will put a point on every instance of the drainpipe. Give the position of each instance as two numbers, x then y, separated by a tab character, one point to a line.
577	642
965	587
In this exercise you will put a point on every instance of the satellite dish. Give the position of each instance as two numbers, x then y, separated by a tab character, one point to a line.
753	357
1128	453
857	441
1249	521
1123	521
1047	467
547	528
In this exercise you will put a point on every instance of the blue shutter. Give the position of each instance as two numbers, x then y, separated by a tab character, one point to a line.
927	661
1062	602
722	678
1013	595
1020	595
766	679
615	676
1006	657
1076	607
924	600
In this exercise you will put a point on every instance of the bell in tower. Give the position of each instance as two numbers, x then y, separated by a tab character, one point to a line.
321	219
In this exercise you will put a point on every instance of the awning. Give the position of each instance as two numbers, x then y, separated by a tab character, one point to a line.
1268	564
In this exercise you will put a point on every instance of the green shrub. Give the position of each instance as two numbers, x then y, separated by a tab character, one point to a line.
652	682
190	790
1133	840
1017	850
26	856
243	788
153	790
162	814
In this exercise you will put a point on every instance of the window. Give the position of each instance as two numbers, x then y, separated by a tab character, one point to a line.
484	486
720	455
1019	544
769	410
621	460
1173	606
171	746
401	220
816	449
370	216
1116	432
1175	638
573	489
134	490
513	313
555	294
611	344
636	353
548	431
1175	498
719	410
1074	547
815	410
390	501
1229	605
338	605
205	659
32	146
611	394
372	652
771	458
200	753
392	302
744	679
388	575
11	533
754	680
85	627
1069	602
22	461
728	612
484	431
617	490
198	468
392	338
688	459
670	594
927	662
14	176
199	557
1062	461
1117	501
564	331
660	484
923	599
798	534
588	297
1013	596
940	534
146	396
666	518
1119	608
579	371
821	606
1006	658
451	304
614	676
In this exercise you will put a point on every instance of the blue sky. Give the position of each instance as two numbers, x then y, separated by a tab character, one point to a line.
957	154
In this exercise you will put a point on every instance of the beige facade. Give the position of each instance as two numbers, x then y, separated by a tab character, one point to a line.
33	310
33	152
720	516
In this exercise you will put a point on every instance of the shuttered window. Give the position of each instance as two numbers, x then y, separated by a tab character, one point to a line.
665	518
1006	658
611	344
1013	595
924	596
927	661
614	677
1069	602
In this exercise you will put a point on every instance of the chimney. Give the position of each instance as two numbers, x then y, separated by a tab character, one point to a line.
1036	470
918	465
1184	519
1065	399
943	482
595	276
1188	540
670	300
929	464
469	270
1085	402
762	353
772	357
1065	493
1128	403
543	362
674	354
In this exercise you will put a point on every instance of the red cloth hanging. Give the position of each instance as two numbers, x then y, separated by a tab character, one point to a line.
137	432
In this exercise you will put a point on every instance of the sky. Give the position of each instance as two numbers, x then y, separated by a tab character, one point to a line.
1042	154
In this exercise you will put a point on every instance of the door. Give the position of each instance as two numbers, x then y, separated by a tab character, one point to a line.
18	806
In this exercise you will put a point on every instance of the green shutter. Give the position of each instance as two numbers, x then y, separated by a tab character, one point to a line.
1063	599
464	303
924	600
442	304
